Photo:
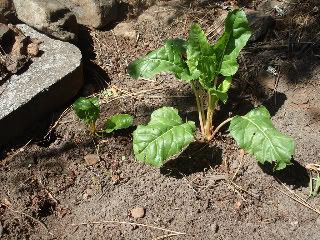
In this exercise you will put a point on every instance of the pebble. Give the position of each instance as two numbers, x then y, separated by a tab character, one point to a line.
91	159
125	30
214	227
294	225
88	194
138	212
318	221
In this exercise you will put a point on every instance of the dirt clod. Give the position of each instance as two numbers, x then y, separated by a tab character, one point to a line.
138	212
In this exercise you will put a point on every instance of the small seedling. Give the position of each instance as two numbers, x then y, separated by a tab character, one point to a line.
209	69
314	173
88	110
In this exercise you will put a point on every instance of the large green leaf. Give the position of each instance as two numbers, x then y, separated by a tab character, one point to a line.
168	58
87	109
201	57
118	121
255	133
165	136
234	38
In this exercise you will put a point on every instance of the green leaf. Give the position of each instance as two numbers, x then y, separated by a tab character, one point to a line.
118	121
165	136
87	109
222	92
255	133
168	58
201	57
237	33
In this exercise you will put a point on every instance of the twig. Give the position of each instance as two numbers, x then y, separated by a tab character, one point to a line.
235	189
244	190
131	95
240	164
296	198
2	163
29	216
129	223
56	123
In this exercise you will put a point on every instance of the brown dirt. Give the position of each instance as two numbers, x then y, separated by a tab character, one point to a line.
47	190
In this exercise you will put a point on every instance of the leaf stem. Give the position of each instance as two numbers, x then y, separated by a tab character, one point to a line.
219	127
199	108
210	111
93	129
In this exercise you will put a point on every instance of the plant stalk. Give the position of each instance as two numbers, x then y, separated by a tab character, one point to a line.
199	108
93	128
219	127
210	111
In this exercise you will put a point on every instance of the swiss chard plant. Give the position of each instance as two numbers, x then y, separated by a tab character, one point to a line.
209	69
88	110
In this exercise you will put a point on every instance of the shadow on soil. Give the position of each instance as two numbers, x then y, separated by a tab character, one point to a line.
295	174
95	77
198	157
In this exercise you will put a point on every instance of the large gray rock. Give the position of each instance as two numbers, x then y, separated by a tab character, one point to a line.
49	16
51	81
93	13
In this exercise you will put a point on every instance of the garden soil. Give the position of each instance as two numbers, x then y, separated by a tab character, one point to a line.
212	190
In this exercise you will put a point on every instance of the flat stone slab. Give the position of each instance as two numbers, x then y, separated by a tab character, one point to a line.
52	80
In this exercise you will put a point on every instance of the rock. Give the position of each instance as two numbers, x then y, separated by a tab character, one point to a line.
18	49
87	194
138	212
7	202
7	12
260	24
158	15
93	13
52	80
91	159
214	227
294	225
52	17
125	30
318	221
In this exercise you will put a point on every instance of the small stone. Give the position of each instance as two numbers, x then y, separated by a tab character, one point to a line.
91	159
214	227
125	30
294	225
115	179
88	194
318	221
138	212
33	48
315	9
237	205
7	202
